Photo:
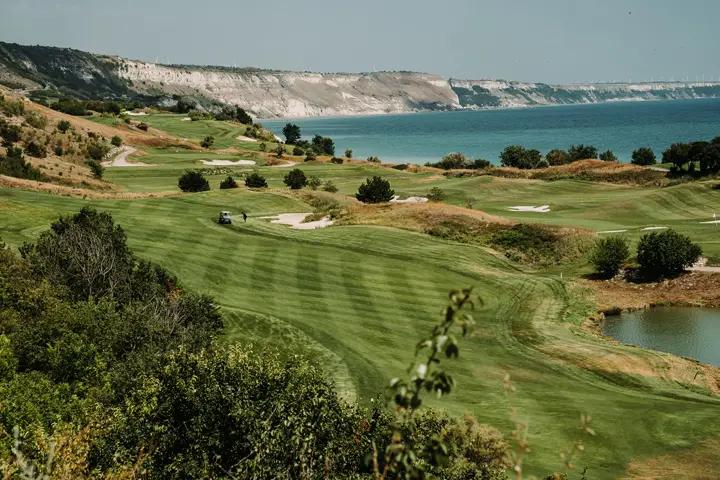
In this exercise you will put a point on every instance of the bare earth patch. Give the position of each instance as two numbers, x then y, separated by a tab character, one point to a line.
21	183
396	199
228	163
296	221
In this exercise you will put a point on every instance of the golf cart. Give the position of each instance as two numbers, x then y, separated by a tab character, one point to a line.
224	218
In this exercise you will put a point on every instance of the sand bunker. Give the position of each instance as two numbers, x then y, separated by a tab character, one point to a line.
654	228
528	208
135	114
613	231
243	138
711	222
228	163
396	199
186	119
295	221
284	165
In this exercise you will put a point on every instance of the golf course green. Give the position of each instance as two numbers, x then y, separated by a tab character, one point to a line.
357	297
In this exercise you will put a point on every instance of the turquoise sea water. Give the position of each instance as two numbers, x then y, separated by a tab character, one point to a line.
426	137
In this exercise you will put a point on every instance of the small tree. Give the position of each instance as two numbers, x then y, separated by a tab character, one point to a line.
279	150
255	180
336	160
323	145
96	168
228	182
193	181
329	186
36	149
643	156
314	182
143	126
581	152
609	254
63	126
116	141
608	156
310	156
373	159
436	194
295	179
348	153
557	157
292	133
666	253
207	142
262	147
375	190
298	152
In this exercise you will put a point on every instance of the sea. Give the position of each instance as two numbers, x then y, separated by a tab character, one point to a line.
426	137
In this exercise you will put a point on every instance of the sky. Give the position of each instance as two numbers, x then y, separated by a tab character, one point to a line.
554	41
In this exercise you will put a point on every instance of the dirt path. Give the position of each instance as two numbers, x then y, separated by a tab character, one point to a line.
284	165
120	159
701	266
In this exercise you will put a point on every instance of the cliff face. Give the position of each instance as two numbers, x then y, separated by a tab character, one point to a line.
268	93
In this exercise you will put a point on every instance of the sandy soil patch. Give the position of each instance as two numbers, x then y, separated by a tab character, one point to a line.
295	221
228	163
654	228
243	138
135	114
284	165
396	199
711	222
530	208
186	119
613	231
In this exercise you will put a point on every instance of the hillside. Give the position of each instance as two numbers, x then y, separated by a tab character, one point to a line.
272	93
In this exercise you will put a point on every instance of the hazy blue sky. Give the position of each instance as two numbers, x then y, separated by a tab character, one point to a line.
542	40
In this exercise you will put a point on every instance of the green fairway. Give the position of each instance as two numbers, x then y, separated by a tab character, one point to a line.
356	298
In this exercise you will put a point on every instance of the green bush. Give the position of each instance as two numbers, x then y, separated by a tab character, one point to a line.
581	152
310	156
207	142
375	190
336	160
10	133
519	157
255	180
143	126
36	120
329	186
292	133
348	153
609	254
97	150
13	164
373	159
193	181
608	156
295	179
436	194
643	156
116	141
228	182
323	145
557	157
96	168
666	253
63	126
298	152
36	149
314	182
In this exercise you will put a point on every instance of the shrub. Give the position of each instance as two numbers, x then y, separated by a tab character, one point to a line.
400	166
436	194
36	120
581	152
520	157
63	126
59	150
255	180
375	190
207	142
97	150
323	145
279	150
666	253
295	179
329	186
116	141
228	182
643	156
310	156
479	164
13	164
292	133
609	254
193	181
298	152
373	159
557	157
608	156
262	147
36	149
143	126
96	168
10	133
348	153
458	160
314	182
336	160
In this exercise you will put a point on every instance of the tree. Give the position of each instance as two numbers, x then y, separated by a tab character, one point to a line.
310	156
451	161
678	154
709	159
557	157
608	156
643	156
581	152
116	141
323	145
96	168
375	190
666	253
279	150
609	254
295	179
63	126
255	180
207	142
298	152
228	182
193	181
97	150
520	157
292	133
348	153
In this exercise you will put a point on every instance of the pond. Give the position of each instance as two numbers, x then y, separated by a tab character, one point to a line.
685	331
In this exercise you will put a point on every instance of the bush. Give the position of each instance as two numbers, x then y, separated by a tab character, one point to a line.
10	133
63	126
520	157
643	156
436	194
581	152
255	180
314	182
373	159
35	149
279	150
207	142
310	156
557	157
262	147
295	179
608	255
96	168
228	182
348	153
193	181
298	152
143	126
36	120
292	133
329	186
116	141
97	150
608	156
13	164
336	160
451	161
666	253
323	145
375	190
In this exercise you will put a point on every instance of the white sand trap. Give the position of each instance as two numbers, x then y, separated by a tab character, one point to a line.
228	163
243	138
396	199
613	231
529	208
711	222
295	221
186	119
135	114
284	165
655	228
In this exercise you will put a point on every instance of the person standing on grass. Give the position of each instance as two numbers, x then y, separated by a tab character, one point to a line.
244	217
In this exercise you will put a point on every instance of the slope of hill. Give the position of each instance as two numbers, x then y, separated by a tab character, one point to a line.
272	93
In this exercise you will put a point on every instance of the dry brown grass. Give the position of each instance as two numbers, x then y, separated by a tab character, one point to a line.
70	191
699	463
